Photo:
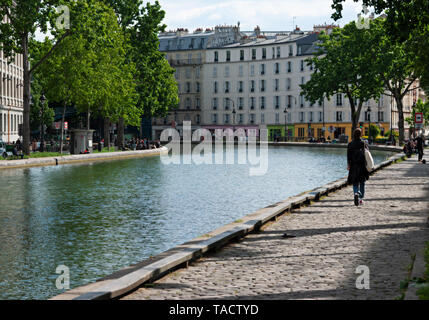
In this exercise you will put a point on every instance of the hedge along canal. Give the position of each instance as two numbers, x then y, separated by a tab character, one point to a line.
97	218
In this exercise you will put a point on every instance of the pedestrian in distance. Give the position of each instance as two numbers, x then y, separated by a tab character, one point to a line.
419	146
356	164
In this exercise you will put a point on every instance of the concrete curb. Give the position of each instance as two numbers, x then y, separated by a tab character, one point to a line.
195	249
80	158
417	272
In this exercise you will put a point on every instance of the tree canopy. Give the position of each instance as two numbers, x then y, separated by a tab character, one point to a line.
344	64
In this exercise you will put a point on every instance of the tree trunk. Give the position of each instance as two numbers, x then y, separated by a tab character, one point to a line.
62	128
401	123
107	133
88	120
27	92
121	129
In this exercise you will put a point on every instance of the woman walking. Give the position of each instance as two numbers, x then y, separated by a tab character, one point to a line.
358	173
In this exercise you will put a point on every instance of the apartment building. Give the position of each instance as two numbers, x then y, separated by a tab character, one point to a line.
186	53
11	97
251	80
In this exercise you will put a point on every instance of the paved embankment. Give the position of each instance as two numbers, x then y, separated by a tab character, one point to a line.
332	238
80	158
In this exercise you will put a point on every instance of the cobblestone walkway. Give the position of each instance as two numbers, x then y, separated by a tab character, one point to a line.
333	238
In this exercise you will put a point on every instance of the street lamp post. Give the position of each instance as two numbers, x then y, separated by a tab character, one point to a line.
234	112
323	118
369	124
42	138
286	129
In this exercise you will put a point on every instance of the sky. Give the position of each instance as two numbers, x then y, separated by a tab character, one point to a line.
270	15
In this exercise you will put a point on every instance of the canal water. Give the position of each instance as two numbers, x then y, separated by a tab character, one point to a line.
98	218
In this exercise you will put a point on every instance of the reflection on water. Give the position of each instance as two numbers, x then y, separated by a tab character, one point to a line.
98	218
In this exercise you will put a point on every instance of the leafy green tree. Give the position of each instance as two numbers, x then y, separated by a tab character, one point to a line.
155	82
344	64
89	70
156	85
23	19
36	107
421	107
407	23
374	131
395	67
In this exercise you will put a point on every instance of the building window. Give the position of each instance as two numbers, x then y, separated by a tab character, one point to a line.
240	118
302	65
215	87
188	103
262	69
226	118
339	99
367	116
277	68
339	116
289	101
277	102
188	87
241	55
240	86
214	118
215	103
253	54
252	103
302	80
226	103
197	87
216	56
252	85
262	103
197	119
264	53
277	118
240	103
197	103
310	114
214	72
252	118
276	84
226	71
288	84
262	118
380	116
262	85
290	50
228	56
188	73
289	66
301	117
301	100
252	70
226	86
278	52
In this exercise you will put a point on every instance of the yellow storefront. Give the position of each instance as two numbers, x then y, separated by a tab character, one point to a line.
305	131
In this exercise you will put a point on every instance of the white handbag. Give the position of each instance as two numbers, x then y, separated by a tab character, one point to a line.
369	160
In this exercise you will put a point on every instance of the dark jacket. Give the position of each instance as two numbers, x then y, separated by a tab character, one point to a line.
356	160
